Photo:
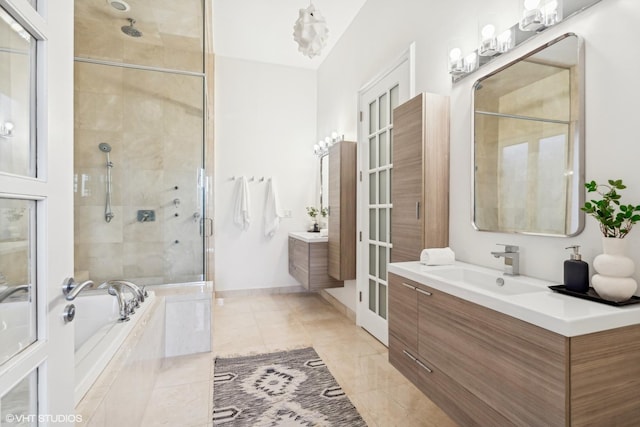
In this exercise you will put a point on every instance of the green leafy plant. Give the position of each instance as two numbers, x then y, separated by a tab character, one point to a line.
324	212
616	219
313	212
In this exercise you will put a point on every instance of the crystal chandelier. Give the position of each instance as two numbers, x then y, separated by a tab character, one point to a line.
310	31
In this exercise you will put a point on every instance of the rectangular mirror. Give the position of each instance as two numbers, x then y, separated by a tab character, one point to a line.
529	143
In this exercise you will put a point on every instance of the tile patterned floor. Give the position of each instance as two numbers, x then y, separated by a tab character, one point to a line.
243	325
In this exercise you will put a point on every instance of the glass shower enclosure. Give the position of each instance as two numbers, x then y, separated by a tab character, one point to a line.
139	179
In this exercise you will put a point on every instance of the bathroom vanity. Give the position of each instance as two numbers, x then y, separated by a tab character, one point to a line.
308	261
512	354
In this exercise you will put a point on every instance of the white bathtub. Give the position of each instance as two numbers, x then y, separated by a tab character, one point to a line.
98	335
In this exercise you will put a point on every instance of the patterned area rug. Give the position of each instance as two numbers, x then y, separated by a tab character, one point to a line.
290	388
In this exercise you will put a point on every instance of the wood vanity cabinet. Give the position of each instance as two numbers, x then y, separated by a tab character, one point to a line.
420	176
484	368
308	264
342	210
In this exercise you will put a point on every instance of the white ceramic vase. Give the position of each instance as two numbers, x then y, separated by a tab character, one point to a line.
613	281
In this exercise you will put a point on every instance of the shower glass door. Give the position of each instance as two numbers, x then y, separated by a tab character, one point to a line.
152	121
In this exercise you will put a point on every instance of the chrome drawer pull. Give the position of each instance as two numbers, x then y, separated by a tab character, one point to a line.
427	293
409	355
409	286
423	366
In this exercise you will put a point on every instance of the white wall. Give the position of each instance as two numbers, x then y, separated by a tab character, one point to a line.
612	103
265	121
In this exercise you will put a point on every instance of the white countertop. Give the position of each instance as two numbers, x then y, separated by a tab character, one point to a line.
562	314
308	237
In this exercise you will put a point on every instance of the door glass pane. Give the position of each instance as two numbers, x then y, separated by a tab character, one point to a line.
384	149
17	98
390	145
382	292
382	225
19	407
383	188
372	260
372	118
394	99
372	224
384	112
383	262
373	188
17	276
372	295
373	148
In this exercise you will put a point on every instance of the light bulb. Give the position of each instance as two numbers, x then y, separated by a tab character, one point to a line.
488	31
323	145
8	126
316	148
531	4
327	140
334	135
455	54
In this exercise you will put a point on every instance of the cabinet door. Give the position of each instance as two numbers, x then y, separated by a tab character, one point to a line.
342	211
301	262
407	182
403	311
516	368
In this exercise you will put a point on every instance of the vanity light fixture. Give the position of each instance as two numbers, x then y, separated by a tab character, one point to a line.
6	130
321	149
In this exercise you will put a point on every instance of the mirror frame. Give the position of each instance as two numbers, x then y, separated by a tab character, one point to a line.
579	138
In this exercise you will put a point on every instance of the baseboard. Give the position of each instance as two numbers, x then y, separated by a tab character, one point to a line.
338	305
258	292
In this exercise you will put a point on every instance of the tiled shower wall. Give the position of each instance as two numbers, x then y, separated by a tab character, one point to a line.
154	124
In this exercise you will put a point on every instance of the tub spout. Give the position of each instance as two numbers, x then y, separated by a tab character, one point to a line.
118	290
12	290
138	291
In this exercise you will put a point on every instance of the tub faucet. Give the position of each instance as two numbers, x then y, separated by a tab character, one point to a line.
138	291
511	259
12	290
125	307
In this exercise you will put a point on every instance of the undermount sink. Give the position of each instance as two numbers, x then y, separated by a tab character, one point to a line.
493	282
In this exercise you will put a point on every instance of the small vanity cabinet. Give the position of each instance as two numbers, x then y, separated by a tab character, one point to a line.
308	261
484	367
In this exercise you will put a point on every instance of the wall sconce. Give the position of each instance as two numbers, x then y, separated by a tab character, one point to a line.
539	14
321	149
6	130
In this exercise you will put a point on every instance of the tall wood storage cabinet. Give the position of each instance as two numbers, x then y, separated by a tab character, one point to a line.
342	210
420	176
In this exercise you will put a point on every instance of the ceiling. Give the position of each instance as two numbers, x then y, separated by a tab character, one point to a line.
262	30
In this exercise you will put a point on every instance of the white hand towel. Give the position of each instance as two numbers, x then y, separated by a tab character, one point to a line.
241	205
272	213
437	256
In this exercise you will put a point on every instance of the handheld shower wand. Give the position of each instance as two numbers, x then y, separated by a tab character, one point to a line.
108	213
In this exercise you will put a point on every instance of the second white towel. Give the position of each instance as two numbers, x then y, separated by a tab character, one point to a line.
272	213
437	256
241	207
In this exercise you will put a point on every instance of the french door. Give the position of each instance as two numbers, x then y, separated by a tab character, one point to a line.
36	212
377	102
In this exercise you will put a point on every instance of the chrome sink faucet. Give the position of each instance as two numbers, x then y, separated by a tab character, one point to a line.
511	259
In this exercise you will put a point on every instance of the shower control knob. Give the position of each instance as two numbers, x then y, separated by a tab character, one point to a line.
69	313
176	214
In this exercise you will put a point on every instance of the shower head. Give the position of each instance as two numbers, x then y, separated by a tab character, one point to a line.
104	147
130	30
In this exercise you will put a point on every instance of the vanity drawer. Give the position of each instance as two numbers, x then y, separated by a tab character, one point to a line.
403	310
403	358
